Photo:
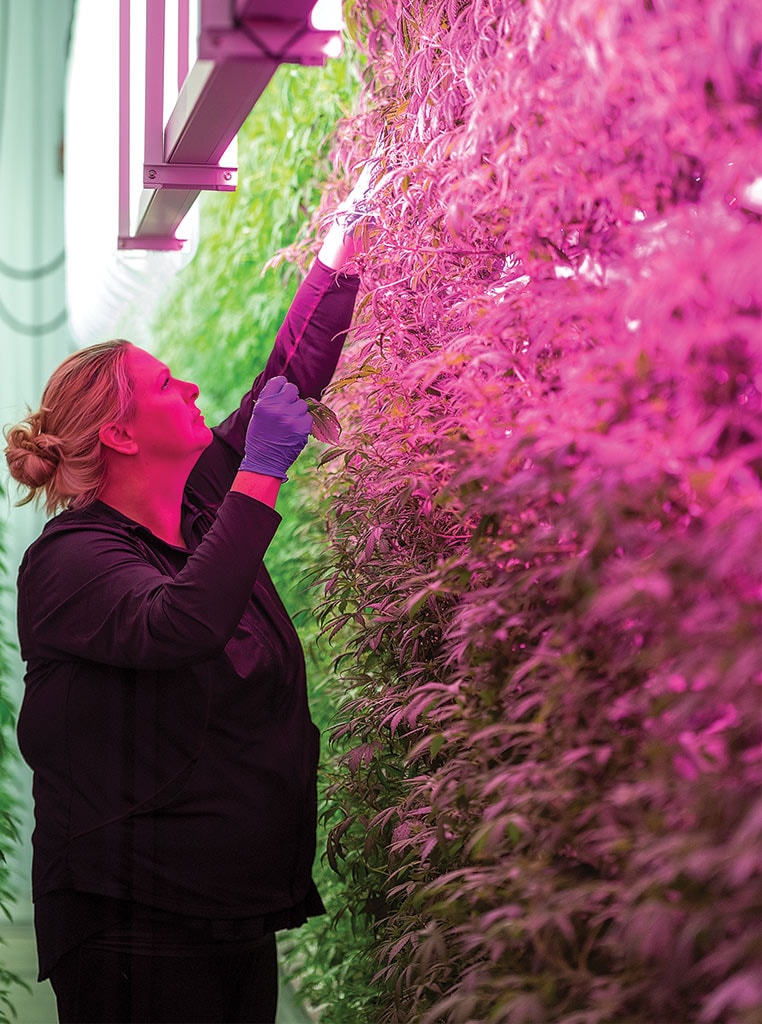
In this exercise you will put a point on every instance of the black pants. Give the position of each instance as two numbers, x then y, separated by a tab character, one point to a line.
95	986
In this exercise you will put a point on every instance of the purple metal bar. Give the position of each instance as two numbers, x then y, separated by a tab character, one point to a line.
267	10
154	123
279	42
213	104
124	118
156	243
183	38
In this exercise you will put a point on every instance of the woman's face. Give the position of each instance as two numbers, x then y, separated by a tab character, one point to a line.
166	422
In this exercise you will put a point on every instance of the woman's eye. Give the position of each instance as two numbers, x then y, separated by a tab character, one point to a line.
165	384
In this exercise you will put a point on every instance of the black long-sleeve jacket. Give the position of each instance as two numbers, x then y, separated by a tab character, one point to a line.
165	713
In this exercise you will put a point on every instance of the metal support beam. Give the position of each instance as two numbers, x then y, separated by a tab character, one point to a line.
124	119
215	100
240	45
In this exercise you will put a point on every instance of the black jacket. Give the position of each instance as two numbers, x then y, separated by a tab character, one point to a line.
165	714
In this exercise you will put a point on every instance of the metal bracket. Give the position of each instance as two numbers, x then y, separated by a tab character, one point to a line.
239	46
281	42
156	243
190	176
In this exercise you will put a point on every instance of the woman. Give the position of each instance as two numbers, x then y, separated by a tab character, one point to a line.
165	712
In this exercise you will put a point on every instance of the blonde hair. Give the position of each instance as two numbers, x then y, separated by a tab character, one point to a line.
57	450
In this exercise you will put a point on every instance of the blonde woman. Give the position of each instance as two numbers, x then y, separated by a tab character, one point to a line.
165	714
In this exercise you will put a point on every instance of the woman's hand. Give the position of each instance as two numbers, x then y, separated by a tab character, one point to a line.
278	430
358	210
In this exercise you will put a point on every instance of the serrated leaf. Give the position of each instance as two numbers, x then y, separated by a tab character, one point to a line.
325	424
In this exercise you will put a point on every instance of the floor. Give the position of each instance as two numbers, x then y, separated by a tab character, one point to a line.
17	954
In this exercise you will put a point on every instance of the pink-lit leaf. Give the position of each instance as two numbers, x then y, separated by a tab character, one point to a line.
325	423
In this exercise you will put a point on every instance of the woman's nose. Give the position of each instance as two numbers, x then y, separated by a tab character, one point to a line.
191	390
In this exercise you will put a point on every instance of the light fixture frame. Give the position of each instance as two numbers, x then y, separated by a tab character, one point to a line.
239	47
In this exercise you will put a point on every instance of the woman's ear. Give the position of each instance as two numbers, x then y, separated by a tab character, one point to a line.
118	438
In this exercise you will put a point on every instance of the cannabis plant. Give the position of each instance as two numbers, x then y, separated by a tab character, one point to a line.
544	575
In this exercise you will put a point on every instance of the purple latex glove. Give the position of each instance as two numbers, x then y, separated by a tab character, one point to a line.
278	429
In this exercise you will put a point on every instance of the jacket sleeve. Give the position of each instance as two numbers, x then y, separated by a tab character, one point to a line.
306	351
97	594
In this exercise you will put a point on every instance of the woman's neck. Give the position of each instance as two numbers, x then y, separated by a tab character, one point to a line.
158	508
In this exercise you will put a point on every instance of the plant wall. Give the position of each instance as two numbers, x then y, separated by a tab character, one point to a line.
545	515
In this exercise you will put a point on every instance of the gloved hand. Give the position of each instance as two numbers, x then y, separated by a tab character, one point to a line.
278	429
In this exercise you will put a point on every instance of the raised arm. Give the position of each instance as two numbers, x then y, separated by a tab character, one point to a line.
306	351
308	345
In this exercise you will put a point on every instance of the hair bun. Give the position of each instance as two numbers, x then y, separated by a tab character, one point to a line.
32	457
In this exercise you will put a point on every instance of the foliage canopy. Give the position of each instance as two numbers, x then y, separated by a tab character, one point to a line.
545	518
542	578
